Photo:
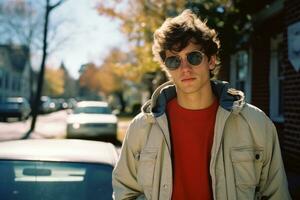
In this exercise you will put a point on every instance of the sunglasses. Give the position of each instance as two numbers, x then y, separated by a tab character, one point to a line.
194	58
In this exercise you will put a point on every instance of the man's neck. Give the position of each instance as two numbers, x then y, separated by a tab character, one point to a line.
196	101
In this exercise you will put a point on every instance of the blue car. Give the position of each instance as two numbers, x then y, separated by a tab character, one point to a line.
14	107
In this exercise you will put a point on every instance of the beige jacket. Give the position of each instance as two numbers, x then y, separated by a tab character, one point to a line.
245	161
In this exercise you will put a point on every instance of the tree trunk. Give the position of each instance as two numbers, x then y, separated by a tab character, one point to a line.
41	74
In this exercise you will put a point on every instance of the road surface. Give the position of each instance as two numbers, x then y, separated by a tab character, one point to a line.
51	125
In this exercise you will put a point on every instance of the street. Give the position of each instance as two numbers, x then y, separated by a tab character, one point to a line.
51	125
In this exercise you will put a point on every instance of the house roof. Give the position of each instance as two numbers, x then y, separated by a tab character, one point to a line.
18	55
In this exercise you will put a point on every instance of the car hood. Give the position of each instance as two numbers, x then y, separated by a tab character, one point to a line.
91	118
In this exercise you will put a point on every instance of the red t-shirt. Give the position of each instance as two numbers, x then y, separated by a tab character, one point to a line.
192	134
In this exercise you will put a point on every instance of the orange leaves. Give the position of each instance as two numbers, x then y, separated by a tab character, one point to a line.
109	8
106	78
86	78
54	82
139	19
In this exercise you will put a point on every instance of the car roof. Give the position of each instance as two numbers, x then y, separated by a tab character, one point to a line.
14	99
92	103
68	150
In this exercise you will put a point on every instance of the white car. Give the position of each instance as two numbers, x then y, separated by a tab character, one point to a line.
56	169
92	119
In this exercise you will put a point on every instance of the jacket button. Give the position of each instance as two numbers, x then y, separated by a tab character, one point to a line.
257	156
165	186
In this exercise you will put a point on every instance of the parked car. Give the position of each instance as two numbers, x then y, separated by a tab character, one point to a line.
14	107
92	119
62	104
56	169
47	105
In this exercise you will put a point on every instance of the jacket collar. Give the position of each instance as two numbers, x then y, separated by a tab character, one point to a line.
230	99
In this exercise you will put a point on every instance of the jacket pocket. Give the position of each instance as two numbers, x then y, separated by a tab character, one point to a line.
146	169
247	167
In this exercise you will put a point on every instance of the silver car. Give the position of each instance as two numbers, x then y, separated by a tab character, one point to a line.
91	119
56	169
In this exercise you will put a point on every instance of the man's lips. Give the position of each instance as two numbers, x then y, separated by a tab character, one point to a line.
188	79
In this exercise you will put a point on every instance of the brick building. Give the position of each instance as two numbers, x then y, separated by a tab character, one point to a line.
262	69
291	92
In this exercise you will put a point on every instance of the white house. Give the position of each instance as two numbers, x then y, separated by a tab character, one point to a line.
15	71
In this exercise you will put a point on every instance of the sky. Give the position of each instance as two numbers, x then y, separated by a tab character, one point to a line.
89	35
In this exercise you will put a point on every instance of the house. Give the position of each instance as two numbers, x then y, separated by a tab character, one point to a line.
261	66
15	71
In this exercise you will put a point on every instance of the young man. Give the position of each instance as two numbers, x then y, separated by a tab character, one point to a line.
197	138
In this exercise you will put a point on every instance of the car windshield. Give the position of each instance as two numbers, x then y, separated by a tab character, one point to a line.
35	180
11	101
92	110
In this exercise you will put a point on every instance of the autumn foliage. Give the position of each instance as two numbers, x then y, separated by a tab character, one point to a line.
54	82
140	18
109	76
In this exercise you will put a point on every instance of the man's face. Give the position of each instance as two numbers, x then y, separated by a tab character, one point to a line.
189	78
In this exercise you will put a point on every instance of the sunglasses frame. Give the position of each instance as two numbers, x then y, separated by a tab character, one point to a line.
180	59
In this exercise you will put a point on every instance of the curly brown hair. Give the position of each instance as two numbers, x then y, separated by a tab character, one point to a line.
175	34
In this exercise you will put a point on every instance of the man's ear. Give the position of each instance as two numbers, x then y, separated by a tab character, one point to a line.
212	62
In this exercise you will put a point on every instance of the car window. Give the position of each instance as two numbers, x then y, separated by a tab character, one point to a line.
92	110
31	180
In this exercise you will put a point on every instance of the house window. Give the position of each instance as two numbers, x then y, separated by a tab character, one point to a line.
241	70
6	80
15	84
276	78
1	57
18	80
1	78
240	76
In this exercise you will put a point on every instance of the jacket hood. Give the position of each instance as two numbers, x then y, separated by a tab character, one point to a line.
229	98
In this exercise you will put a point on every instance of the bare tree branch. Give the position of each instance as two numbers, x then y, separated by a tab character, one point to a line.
51	7
42	68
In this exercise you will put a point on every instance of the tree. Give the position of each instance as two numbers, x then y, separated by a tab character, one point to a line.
88	78
109	78
21	24
70	84
139	19
106	77
54	82
49	8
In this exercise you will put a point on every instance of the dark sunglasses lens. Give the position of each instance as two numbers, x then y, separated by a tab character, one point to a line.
195	58
172	62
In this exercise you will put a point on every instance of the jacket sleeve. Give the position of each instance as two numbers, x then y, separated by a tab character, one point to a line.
275	185
124	176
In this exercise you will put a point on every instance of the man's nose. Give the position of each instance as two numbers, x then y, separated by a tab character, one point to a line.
185	65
